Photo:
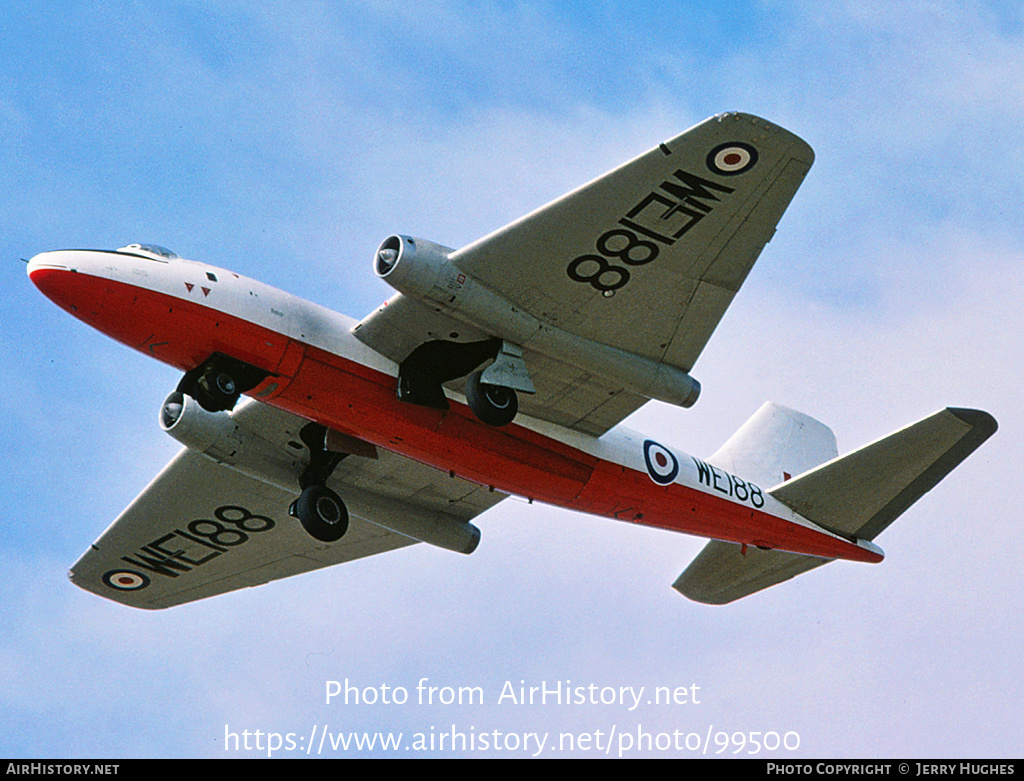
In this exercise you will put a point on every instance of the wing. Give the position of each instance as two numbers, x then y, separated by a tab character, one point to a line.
645	259
202	528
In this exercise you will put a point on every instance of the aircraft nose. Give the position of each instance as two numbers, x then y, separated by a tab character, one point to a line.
44	270
59	275
39	263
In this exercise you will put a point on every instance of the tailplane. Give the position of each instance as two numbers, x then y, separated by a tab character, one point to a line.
856	496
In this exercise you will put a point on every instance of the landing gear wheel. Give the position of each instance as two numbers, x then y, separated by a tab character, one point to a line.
217	389
218	381
322	513
492	404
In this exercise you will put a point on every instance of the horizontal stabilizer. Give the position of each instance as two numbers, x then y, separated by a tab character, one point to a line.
863	492
857	496
723	572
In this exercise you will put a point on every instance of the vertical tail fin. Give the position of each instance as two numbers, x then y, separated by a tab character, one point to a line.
774	445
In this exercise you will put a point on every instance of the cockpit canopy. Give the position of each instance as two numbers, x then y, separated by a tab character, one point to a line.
149	249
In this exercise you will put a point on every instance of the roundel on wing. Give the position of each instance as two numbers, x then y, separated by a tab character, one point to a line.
125	580
662	465
729	159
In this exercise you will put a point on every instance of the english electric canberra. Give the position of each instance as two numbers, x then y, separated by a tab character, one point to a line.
504	367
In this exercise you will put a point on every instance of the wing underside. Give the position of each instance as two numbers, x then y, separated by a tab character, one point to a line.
644	260
202	528
567	395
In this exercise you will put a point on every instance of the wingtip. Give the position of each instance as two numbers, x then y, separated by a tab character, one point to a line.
695	592
799	150
982	422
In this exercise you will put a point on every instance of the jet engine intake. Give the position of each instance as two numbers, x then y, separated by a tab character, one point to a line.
212	433
413	266
217	435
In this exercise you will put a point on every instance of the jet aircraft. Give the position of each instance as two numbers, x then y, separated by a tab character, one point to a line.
501	368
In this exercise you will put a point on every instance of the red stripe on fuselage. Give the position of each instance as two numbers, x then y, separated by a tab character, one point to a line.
346	395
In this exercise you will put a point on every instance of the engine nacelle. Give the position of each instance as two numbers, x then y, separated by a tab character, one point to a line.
424	271
415	267
214	434
217	435
430	526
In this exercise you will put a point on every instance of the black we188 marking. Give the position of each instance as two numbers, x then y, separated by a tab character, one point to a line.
728	484
181	551
659	219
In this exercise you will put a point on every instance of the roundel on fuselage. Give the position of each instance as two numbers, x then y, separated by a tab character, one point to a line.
662	465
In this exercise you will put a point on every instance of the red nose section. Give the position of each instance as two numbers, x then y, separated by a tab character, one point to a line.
56	283
105	304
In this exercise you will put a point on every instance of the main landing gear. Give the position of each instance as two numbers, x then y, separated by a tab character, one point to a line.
216	385
491	393
494	405
322	513
320	510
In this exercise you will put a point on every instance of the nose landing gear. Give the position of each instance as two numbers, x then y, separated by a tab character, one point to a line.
218	381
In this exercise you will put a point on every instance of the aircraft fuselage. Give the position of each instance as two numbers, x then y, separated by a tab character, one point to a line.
180	312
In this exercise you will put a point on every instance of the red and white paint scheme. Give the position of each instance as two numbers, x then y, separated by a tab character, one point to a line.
501	368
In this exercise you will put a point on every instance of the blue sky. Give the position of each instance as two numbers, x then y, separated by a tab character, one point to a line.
285	140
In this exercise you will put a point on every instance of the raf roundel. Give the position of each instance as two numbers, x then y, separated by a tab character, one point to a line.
732	158
125	580
662	465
